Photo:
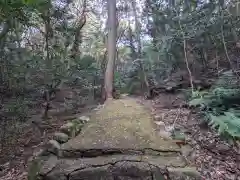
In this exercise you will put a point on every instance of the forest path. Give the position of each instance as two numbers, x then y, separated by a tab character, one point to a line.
202	147
119	142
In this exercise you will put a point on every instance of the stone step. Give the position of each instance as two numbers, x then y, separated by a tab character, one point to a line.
124	167
118	143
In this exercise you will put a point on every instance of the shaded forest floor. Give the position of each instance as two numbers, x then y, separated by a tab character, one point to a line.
15	157
215	157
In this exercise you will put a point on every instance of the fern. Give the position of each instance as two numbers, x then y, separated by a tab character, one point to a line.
226	124
199	94
196	102
227	80
220	110
200	102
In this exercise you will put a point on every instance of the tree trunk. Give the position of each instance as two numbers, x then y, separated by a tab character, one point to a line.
137	27
111	47
132	47
3	67
139	46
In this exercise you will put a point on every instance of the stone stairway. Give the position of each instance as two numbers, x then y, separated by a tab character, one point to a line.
118	143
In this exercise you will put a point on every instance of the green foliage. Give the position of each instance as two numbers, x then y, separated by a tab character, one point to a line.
134	87
76	128
33	2
227	80
17	108
34	169
204	26
221	109
86	62
228	123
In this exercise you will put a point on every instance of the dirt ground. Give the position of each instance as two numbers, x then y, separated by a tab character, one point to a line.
29	139
215	157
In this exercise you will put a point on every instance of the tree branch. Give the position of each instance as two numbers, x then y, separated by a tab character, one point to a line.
186	57
80	25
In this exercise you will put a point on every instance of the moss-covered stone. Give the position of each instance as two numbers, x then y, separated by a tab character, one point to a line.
184	173
67	128
119	143
84	119
123	124
74	127
60	137
53	147
34	169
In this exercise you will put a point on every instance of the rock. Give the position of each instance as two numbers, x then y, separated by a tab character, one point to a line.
177	134
165	134
169	89
122	167
37	153
118	143
160	123
223	147
48	165
54	147
60	137
184	173
157	118
84	119
124	95
169	128
98	107
67	128
186	150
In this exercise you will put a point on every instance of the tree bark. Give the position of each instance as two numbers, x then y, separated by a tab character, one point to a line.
132	47
137	27
111	48
3	74
139	47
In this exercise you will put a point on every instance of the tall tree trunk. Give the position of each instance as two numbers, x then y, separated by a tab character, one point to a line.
137	27
139	46
3	72
48	35
111	47
132	47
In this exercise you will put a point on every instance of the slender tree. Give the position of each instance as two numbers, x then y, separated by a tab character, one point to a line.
139	46
111	48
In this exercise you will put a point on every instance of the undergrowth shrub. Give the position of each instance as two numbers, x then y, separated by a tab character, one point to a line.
16	108
221	109
13	114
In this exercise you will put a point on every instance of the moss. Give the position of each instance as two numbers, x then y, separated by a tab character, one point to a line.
34	169
76	129
121	124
